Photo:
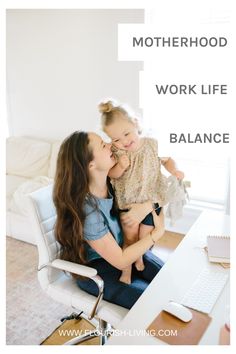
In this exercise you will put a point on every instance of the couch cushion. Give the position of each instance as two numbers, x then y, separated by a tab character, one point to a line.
27	157
20	201
13	182
53	160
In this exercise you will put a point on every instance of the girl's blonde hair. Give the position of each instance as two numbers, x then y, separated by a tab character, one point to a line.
110	111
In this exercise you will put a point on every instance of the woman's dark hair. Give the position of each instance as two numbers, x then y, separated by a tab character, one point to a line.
70	190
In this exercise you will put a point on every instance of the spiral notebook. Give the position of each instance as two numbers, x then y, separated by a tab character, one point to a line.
218	247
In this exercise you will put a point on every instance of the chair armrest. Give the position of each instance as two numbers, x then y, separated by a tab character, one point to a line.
74	268
84	271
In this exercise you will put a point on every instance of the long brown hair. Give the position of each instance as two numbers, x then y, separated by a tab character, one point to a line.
70	190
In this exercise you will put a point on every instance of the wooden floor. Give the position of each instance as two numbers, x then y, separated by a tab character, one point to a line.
68	330
163	250
167	244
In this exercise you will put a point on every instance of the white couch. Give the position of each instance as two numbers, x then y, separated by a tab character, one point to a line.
30	165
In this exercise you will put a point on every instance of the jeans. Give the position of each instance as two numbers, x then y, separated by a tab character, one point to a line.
117	292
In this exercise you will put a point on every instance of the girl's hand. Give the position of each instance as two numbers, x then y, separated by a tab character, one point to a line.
159	226
178	174
136	214
123	161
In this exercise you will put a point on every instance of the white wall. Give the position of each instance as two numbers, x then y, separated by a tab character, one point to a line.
60	64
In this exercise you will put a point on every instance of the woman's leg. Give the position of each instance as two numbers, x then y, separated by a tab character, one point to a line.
115	291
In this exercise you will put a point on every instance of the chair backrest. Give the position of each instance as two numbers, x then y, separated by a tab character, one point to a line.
43	217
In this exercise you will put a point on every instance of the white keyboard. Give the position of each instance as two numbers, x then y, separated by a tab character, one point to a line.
206	289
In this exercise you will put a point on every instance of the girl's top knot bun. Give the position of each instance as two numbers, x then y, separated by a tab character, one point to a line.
106	107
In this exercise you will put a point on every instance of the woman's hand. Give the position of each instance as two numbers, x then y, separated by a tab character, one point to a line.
159	226
136	214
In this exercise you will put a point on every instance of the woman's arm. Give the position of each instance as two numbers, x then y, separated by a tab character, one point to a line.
108	248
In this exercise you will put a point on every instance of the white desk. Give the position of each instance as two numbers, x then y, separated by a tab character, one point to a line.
172	282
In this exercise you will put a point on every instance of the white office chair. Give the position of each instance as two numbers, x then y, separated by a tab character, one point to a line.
60	286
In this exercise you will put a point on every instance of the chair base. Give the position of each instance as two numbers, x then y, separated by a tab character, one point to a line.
102	330
85	337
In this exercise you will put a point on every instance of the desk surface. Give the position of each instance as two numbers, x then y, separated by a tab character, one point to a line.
172	282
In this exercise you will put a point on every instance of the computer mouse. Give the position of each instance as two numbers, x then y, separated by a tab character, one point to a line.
179	311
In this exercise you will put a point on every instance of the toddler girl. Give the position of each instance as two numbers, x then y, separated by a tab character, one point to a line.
137	176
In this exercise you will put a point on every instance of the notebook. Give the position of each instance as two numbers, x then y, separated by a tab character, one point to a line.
218	247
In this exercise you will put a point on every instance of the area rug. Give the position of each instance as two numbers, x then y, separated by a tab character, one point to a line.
31	315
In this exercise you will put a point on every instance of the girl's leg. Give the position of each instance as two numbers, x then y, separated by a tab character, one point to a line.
130	236
143	231
153	265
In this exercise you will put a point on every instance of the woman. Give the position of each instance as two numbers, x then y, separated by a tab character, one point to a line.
87	226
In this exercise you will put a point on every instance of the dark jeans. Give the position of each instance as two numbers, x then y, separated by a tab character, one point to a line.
117	292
